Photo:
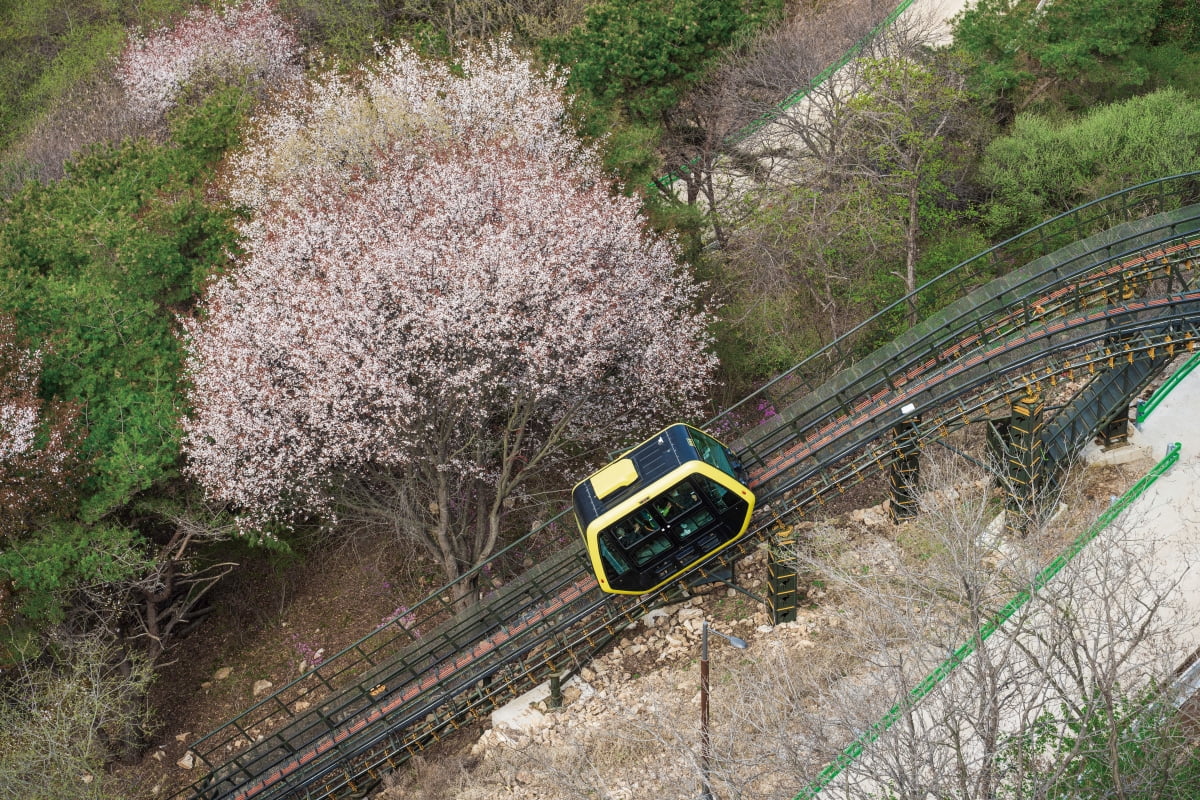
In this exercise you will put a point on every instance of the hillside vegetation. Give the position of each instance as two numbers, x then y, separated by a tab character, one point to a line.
171	408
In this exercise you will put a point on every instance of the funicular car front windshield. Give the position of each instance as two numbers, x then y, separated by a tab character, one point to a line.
713	452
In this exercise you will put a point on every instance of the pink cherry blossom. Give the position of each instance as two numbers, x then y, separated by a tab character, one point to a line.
463	305
20	409
339	127
249	39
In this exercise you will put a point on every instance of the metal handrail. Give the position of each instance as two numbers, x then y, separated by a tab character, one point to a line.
375	645
1037	239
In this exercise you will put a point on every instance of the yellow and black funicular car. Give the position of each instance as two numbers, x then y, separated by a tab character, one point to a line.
661	508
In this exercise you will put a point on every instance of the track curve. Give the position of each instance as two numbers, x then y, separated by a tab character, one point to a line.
1125	292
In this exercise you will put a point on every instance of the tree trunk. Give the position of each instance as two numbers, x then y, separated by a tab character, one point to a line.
911	231
128	739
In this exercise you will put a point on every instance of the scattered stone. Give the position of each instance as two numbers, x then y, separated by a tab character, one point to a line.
187	762
523	715
301	705
206	685
653	616
874	517
87	778
222	673
182	737
158	755
261	686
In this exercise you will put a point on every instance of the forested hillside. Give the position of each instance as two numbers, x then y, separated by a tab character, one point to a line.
281	281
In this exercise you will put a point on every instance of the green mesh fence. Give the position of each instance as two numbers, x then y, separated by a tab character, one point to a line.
931	681
1160	394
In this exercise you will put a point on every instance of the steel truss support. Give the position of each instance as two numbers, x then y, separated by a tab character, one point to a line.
781	575
1115	430
1026	456
998	436
905	470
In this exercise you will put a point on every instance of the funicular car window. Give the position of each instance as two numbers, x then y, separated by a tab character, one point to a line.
676	501
640	535
630	531
682	509
696	520
722	497
614	559
647	550
693	505
712	452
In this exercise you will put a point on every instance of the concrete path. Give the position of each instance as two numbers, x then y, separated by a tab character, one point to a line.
1169	512
777	143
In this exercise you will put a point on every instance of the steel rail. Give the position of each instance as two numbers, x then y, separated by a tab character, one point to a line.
333	742
381	645
876	460
888	407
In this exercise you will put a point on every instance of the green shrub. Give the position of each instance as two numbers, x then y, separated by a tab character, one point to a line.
1044	168
95	267
62	719
631	61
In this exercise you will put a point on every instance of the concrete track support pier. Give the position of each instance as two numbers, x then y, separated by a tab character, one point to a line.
1115	432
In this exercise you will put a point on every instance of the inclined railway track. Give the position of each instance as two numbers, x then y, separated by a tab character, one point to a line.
334	732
